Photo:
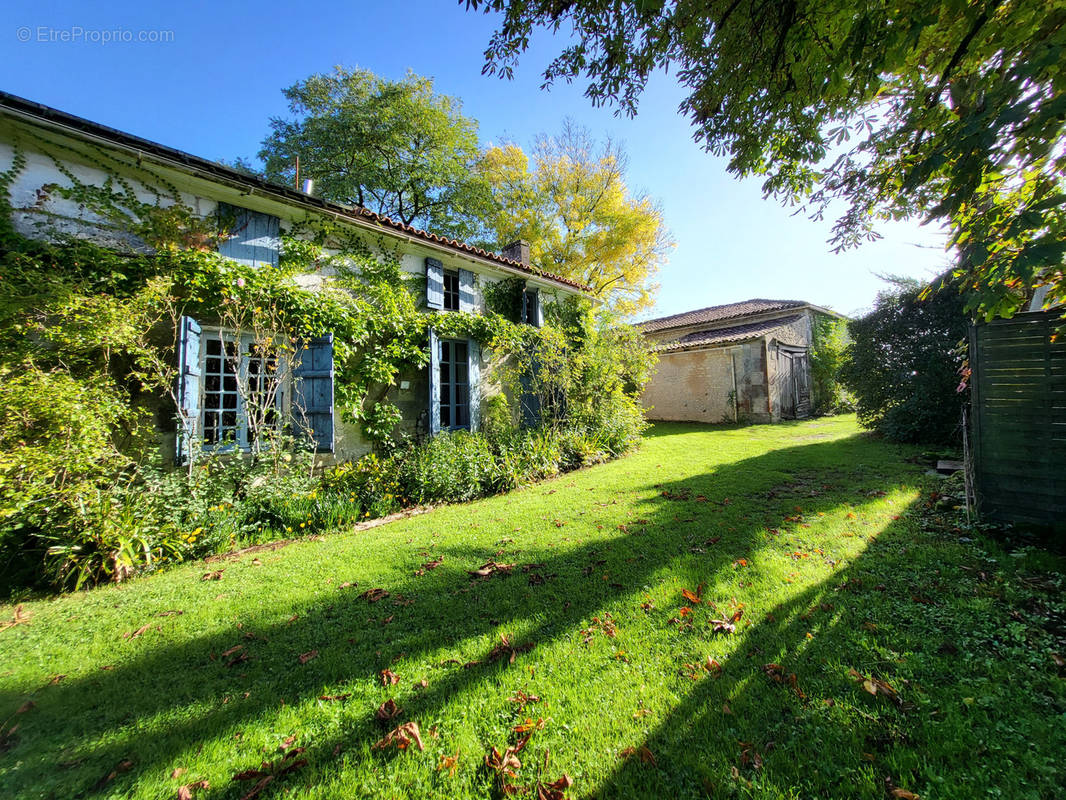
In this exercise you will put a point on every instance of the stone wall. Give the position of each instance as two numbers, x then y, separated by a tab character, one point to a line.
698	385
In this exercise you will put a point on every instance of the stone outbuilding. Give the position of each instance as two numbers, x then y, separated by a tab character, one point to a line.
747	361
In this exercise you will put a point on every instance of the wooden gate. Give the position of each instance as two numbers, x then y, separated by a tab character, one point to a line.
1018	395
795	371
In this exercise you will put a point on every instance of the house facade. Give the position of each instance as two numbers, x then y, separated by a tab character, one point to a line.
53	148
747	361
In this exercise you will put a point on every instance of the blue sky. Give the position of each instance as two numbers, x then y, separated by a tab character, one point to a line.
211	89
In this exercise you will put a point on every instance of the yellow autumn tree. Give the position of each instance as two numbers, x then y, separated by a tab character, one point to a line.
570	201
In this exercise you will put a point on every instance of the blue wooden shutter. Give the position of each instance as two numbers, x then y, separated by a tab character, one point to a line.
434	283
434	383
466	290
188	387
253	238
474	376
528	403
313	393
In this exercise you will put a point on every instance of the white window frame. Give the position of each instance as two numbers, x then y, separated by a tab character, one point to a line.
242	442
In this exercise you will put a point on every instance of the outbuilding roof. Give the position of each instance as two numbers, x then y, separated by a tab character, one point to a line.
745	308
21	107
735	333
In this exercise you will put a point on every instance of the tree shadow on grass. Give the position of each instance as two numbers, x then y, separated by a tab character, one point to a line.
857	687
153	708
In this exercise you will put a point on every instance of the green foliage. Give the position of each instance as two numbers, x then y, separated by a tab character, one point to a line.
84	496
829	342
450	467
497	419
946	110
395	147
903	365
504	297
570	201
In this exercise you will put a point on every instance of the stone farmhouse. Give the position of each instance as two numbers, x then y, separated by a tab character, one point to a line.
55	147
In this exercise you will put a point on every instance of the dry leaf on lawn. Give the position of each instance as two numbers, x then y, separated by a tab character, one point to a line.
136	633
388	710
186	791
401	737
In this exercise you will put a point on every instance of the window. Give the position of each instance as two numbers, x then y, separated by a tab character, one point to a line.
530	309
451	291
454	385
241	390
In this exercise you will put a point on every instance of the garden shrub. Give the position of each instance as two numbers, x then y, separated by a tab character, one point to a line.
904	364
828	354
450	467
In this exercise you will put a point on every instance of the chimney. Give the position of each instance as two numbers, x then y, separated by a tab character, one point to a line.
517	251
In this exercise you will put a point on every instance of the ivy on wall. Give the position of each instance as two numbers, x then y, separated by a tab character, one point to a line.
365	299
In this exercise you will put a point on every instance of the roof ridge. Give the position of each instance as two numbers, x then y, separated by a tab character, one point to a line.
773	305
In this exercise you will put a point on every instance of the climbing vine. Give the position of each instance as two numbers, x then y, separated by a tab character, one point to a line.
88	346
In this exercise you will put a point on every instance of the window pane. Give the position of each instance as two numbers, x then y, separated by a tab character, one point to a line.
460	372
214	347
214	365
229	383
462	416
229	401
460	352
445	351
445	416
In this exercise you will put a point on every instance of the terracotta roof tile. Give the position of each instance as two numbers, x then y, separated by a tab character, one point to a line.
735	333
718	313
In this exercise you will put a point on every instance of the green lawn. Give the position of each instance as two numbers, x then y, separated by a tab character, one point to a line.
817	533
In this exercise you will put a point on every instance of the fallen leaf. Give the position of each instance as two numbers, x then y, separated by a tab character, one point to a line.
449	763
27	706
125	765
335	697
56	679
373	595
389	677
388	710
305	657
490	568
213	576
136	633
556	790
185	792
401	737
903	794
178	772
19	617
